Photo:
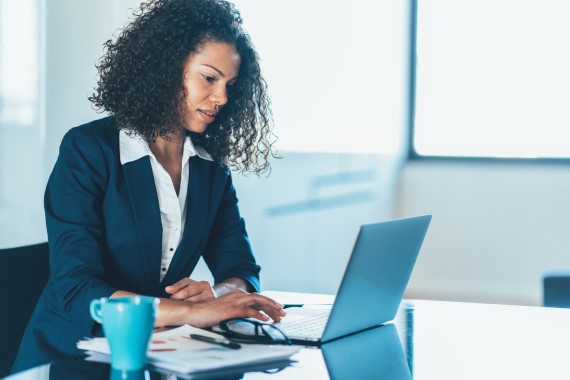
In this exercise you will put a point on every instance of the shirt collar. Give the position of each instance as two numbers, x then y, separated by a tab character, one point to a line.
132	147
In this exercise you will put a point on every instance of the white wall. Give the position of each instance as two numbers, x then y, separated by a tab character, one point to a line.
496	228
303	223
21	187
75	33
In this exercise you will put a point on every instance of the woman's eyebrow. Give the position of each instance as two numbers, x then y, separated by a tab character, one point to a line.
214	68
217	70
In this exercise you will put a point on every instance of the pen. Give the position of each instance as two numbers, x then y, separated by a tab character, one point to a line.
219	341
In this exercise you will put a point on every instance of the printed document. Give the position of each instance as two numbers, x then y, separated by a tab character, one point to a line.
175	351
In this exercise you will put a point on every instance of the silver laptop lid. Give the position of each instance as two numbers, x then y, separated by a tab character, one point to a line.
376	275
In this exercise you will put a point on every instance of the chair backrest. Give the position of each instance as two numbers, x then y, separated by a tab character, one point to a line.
23	274
556	289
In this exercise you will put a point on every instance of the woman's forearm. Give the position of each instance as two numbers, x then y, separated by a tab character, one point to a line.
170	312
230	284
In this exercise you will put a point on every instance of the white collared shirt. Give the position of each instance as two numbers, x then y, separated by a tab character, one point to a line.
172	206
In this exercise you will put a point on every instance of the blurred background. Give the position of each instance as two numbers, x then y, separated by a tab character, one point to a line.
383	109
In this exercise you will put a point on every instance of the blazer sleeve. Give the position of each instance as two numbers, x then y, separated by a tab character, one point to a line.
75	226
228	252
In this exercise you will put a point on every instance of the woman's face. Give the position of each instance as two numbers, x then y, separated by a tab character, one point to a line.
208	73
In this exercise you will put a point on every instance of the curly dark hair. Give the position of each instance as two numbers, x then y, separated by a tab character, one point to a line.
141	73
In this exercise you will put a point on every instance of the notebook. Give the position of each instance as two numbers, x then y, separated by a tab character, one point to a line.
372	287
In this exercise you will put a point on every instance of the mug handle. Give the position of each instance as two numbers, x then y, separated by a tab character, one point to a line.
95	310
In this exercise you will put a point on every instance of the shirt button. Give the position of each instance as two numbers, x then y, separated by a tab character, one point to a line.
171	249
164	269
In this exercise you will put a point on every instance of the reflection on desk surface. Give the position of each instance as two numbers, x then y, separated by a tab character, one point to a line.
439	340
373	354
83	370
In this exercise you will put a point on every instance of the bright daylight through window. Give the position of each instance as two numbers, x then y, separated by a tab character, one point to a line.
19	60
493	78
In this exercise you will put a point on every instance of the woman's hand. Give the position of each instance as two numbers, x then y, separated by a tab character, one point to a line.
198	291
235	304
191	291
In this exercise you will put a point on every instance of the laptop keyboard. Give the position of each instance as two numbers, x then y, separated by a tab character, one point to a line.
310	326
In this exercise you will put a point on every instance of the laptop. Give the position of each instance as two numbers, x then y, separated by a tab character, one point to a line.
372	287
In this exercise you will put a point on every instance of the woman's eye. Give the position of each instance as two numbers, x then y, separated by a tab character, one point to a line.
209	79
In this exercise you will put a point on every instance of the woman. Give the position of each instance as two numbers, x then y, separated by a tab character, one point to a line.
135	199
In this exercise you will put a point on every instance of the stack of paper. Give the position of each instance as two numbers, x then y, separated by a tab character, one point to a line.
175	351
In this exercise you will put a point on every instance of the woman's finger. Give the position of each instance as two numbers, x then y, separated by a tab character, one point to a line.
262	301
208	293
197	291
171	289
257	305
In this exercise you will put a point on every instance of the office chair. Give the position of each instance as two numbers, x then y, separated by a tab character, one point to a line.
23	274
556	289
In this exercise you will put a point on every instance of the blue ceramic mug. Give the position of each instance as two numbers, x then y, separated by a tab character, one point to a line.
128	323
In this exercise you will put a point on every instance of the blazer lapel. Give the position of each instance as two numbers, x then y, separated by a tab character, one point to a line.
197	209
144	199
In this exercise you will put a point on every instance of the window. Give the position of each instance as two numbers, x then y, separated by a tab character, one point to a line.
21	142
19	63
492	79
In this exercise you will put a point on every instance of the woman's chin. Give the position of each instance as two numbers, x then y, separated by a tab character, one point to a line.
196	128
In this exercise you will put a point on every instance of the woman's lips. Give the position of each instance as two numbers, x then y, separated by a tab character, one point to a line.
208	116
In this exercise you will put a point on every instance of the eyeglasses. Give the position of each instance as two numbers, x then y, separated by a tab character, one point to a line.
250	331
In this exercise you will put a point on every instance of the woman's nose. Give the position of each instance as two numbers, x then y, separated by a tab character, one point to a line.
220	96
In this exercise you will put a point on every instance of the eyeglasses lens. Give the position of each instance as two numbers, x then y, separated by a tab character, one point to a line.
273	333
242	327
247	328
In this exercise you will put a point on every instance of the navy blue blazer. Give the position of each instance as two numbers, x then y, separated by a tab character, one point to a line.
105	234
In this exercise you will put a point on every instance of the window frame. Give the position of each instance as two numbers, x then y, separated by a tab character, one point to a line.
412	154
